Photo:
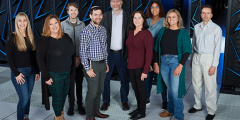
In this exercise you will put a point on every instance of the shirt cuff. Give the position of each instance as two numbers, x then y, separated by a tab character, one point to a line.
215	64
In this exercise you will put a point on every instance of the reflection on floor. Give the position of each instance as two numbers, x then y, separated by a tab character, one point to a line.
228	105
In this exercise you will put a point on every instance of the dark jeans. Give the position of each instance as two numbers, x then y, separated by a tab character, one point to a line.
78	81
59	90
95	88
149	85
121	65
24	91
139	88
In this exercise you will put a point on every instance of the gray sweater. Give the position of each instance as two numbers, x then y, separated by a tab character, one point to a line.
73	32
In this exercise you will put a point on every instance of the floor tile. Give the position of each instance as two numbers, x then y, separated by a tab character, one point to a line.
7	109
36	113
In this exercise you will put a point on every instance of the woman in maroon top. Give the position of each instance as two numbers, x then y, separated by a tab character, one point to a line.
140	49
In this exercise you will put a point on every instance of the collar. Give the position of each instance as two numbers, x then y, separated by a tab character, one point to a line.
78	21
121	13
208	24
92	26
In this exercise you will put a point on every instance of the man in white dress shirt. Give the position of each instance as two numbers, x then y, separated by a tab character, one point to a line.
206	46
116	22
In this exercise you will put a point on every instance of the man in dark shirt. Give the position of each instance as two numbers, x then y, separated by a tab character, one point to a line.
116	22
93	55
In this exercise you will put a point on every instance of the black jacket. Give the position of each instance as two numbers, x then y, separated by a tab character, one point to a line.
43	62
107	23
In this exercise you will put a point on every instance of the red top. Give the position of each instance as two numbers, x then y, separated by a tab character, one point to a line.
140	50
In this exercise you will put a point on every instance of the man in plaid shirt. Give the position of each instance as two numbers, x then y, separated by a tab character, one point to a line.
93	54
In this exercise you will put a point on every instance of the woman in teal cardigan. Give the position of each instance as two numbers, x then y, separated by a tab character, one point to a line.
173	47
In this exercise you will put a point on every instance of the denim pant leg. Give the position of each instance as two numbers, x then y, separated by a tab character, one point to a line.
149	84
106	91
31	82
165	73
24	91
121	64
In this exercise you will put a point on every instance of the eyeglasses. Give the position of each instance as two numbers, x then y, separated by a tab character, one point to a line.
154	7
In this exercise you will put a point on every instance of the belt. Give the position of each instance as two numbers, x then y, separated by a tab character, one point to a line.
116	51
101	61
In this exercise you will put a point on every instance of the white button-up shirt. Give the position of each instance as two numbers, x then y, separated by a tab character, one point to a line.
207	40
116	36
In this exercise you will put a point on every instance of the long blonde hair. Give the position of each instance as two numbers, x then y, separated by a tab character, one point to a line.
20	41
180	20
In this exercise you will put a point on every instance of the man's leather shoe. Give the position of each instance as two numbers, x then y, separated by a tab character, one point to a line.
210	117
137	116
165	114
133	112
193	110
90	118
70	111
81	110
125	106
100	115
104	106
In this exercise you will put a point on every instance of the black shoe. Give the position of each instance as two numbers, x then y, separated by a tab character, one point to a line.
137	116
210	117
148	102
193	110
70	111
81	110
133	112
164	105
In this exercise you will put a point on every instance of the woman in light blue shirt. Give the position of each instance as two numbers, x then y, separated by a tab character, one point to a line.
156	17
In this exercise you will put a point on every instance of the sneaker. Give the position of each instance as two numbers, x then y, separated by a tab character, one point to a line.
148	102
193	110
164	105
210	117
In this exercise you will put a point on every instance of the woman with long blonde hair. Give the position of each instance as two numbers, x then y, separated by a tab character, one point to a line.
21	57
172	48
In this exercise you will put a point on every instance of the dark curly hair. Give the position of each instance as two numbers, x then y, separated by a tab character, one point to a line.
161	9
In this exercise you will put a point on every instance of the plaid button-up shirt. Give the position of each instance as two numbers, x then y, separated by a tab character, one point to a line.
93	44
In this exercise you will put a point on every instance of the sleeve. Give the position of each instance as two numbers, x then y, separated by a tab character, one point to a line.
83	46
105	48
10	47
156	57
35	62
193	44
186	42
184	58
41	58
217	50
148	45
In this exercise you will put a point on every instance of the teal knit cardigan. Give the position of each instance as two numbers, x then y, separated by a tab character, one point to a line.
184	45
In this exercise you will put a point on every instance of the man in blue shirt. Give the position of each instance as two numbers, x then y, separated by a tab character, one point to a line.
93	55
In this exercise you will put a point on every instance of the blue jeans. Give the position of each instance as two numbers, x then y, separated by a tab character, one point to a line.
24	91
175	104
121	65
149	85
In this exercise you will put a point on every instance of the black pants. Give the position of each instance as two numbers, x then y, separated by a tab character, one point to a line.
78	81
139	88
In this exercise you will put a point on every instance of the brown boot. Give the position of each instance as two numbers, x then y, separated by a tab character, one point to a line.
165	114
58	118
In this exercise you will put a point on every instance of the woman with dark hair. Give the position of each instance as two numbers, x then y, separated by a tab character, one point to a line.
140	50
156	17
172	49
56	60
21	57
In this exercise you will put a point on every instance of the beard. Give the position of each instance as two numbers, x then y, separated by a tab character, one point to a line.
96	23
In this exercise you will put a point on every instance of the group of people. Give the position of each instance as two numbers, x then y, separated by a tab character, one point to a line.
140	48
